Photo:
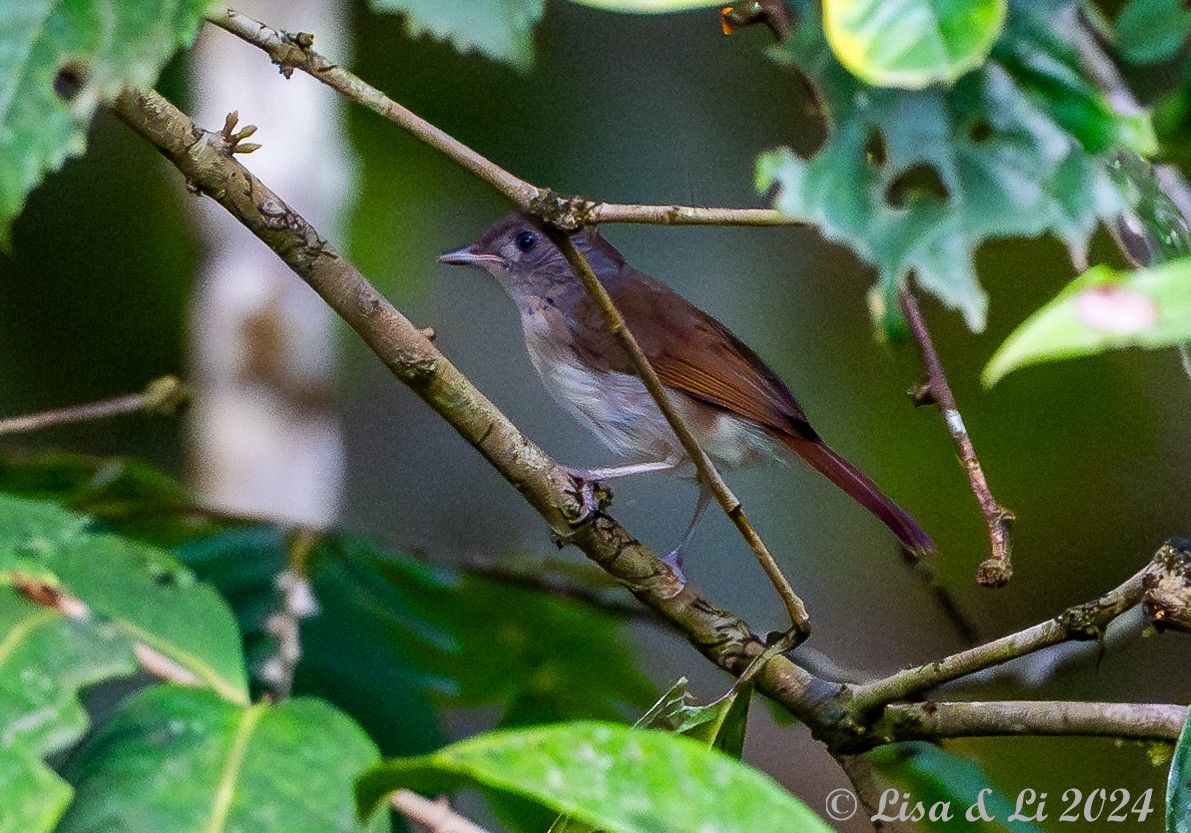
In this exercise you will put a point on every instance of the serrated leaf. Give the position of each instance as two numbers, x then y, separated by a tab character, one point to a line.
143	591
45	658
34	796
934	776
90	50
912	43
1151	31
1178	784
499	29
915	181
183	759
1103	309
619	779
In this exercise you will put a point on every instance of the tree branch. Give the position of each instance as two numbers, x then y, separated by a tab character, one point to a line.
161	396
997	569
1082	622
1123	721
207	161
435	816
293	51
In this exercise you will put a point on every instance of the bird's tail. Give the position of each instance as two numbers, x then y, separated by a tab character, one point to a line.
864	491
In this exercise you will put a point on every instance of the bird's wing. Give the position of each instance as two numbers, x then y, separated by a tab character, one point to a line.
692	353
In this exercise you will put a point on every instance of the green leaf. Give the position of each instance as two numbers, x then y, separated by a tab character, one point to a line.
143	591
34	796
499	29
912	43
89	50
1151	31
1103	309
1178	784
620	779
915	181
931	775
128	496
1047	68
182	759
45	658
720	725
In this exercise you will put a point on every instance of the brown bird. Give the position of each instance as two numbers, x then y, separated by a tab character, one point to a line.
735	406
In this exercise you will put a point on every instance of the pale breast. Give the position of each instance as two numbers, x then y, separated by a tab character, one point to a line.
618	409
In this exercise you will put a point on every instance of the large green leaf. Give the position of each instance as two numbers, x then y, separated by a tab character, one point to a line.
912	43
34	797
500	29
1103	309
143	591
915	181
1178	784
1149	31
58	59
183	759
620	779
45	658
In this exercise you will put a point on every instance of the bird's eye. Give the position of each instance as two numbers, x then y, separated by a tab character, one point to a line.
526	240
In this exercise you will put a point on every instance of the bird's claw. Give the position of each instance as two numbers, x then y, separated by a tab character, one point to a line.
590	500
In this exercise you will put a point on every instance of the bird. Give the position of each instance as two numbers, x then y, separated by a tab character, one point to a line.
736	407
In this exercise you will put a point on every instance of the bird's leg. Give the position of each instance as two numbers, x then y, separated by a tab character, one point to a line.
674	559
586	481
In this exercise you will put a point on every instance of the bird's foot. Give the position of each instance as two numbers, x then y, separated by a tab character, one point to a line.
674	562
591	498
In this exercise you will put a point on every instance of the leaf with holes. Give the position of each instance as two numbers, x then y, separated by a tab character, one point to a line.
34	796
498	29
182	759
620	779
151	598
59	59
915	181
912	43
1101	310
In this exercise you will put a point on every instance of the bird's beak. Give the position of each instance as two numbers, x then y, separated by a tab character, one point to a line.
468	256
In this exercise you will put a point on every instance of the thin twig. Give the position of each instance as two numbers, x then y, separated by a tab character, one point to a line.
435	816
1082	622
703	464
997	569
293	51
162	396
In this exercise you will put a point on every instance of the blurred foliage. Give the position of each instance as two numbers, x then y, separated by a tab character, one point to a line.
1178	785
183	759
912	43
614	777
1149	31
59	59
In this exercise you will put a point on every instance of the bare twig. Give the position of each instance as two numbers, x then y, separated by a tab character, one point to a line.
435	816
162	396
997	569
293	51
1124	721
703	464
